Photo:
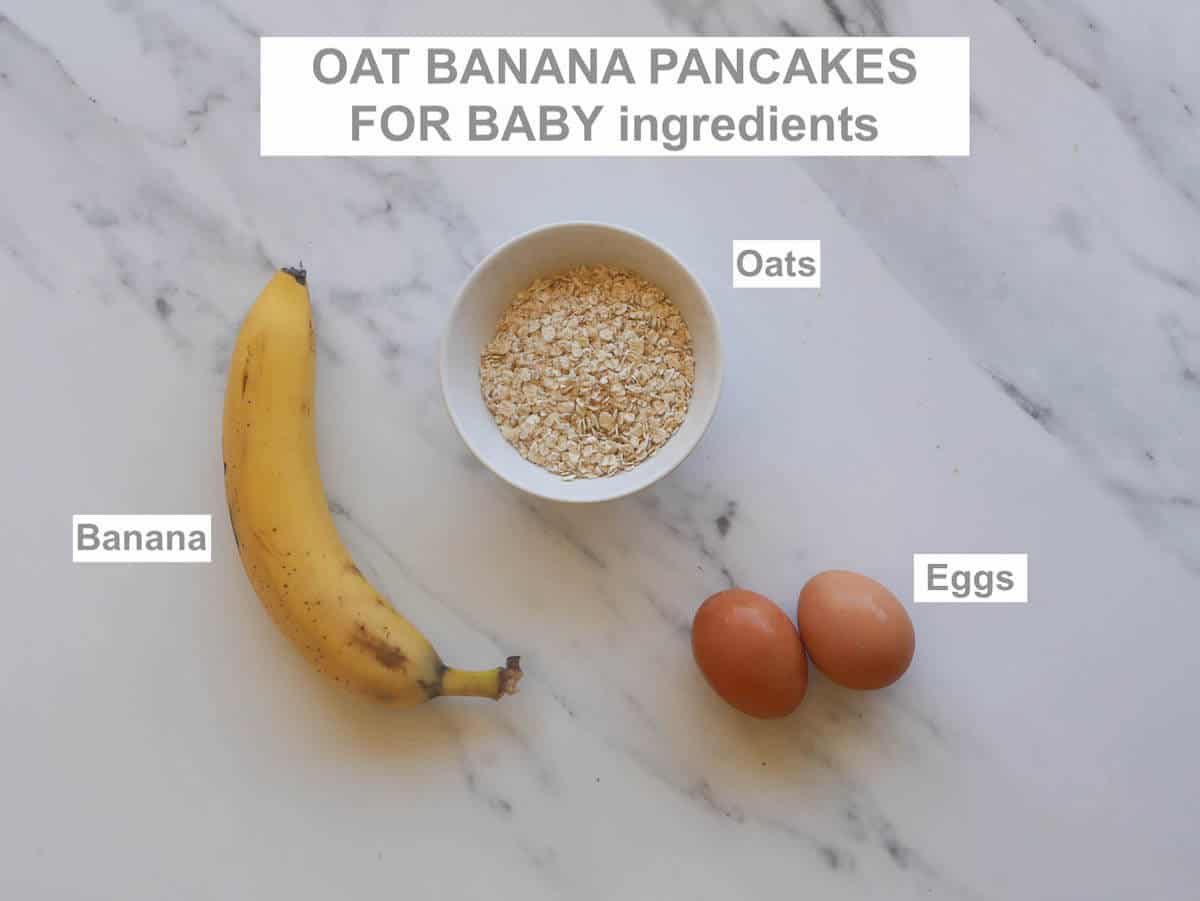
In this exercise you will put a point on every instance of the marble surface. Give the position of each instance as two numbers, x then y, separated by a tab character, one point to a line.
1005	357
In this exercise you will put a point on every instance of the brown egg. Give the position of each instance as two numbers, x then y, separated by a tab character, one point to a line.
750	653
856	631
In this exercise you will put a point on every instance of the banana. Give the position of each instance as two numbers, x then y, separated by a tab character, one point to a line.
286	537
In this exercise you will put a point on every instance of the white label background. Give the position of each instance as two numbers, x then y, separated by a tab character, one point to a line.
143	522
300	116
778	249
1017	564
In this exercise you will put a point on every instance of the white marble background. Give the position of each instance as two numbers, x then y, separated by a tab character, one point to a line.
1005	357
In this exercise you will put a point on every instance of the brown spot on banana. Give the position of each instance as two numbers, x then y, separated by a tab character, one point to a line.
387	654
245	378
263	543
434	688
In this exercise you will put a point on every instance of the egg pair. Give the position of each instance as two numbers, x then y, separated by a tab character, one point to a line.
855	630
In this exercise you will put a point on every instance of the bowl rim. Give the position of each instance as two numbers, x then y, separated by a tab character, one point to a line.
460	301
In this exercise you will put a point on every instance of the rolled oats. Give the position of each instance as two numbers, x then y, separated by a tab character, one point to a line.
590	372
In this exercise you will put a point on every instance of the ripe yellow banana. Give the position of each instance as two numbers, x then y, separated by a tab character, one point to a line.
285	534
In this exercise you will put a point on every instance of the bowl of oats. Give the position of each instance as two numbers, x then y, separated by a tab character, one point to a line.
581	362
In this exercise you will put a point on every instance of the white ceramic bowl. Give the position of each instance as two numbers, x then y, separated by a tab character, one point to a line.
491	288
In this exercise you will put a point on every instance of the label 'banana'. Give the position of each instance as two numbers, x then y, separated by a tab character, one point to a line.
285	533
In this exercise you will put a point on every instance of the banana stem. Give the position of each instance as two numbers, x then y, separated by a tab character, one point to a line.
487	683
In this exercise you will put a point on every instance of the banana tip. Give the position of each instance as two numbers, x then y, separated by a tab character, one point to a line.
298	273
510	675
